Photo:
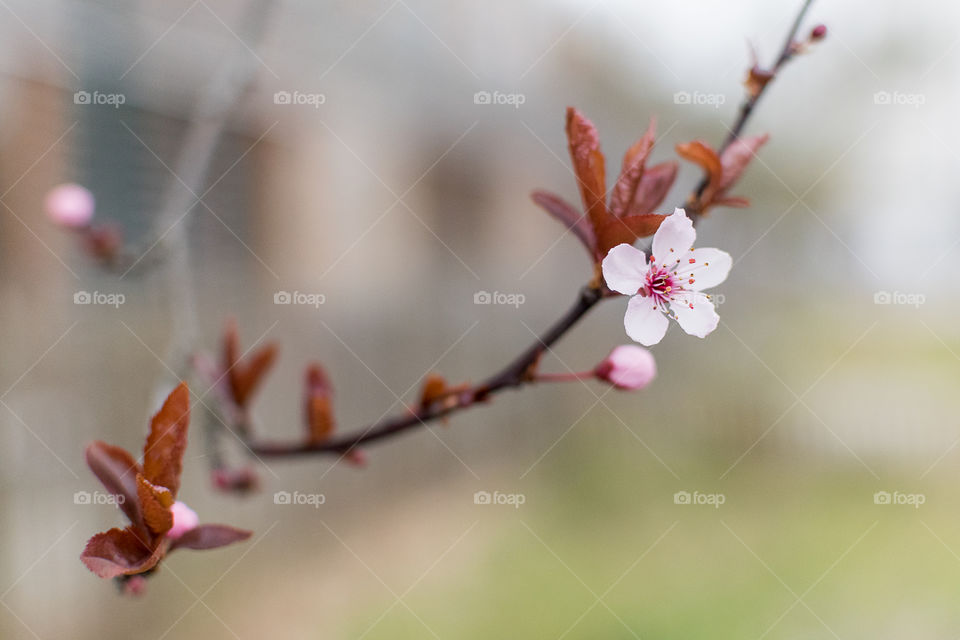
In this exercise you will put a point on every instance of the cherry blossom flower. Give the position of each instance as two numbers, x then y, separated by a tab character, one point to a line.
70	205
628	367
671	284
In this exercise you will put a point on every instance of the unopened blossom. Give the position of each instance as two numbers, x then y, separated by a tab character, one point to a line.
670	284
184	519
243	480
70	205
134	586
628	367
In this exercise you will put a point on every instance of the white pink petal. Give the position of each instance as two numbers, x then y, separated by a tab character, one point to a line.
625	269
670	283
644	321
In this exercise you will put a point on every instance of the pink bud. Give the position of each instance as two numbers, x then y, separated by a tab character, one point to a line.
819	32
70	205
356	458
627	367
134	586
184	519
235	480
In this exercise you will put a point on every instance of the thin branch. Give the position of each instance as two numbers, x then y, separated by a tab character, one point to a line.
750	99
521	370
515	374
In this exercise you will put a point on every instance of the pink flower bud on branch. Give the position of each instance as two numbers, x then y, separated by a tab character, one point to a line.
70	205
628	367
239	481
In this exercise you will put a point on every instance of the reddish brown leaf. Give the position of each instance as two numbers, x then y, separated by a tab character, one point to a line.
568	216
631	172
318	404
757	80
257	367
434	388
167	440
732	201
209	536
588	166
654	186
628	230
231	347
244	377
117	471
320	423
120	552
155	502
317	380
737	156
701	154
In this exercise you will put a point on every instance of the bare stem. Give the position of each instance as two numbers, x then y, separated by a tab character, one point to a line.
750	100
515	374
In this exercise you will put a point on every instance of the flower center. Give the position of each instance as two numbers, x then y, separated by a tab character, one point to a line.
661	285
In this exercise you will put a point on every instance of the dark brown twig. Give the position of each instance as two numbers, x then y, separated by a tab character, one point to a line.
515	374
750	100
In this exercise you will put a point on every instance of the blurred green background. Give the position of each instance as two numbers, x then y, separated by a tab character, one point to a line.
398	198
